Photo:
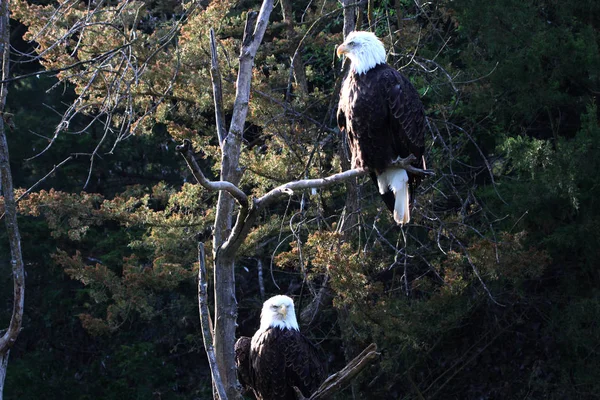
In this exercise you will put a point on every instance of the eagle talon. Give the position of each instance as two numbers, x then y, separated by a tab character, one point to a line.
403	162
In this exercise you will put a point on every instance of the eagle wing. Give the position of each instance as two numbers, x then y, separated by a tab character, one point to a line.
267	365
282	359
303	366
242	360
406	117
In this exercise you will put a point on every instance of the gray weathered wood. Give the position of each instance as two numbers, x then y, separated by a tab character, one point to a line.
336	382
9	337
207	334
224	274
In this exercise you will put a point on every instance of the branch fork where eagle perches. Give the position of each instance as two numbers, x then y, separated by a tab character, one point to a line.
288	188
248	213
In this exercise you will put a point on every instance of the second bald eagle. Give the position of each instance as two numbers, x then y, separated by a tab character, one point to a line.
278	357
383	118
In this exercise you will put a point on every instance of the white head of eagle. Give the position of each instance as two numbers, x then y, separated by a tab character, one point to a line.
364	50
278	312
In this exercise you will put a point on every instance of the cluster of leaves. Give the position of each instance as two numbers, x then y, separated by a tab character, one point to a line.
131	260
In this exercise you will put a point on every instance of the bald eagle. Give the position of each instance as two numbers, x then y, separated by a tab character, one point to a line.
278	357
383	118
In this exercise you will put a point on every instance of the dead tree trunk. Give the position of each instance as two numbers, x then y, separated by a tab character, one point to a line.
16	260
224	271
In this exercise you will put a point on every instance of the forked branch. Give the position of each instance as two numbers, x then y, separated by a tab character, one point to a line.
186	151
248	214
288	188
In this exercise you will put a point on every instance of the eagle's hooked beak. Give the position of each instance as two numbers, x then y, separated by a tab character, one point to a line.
283	310
341	50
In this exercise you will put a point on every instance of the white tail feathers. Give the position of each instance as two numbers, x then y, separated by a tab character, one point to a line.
396	180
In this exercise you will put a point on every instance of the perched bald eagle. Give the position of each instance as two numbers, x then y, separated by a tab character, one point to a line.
383	118
278	357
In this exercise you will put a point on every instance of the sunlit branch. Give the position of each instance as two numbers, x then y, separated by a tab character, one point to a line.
288	188
215	77
186	151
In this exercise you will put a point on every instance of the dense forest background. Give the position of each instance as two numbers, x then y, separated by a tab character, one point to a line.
491	292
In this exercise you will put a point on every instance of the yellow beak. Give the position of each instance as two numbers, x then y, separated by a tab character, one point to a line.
283	310
341	50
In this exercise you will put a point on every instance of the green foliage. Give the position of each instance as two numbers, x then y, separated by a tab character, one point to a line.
576	326
557	187
132	371
540	58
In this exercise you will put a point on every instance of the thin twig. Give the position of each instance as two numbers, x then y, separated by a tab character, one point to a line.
57	166
70	66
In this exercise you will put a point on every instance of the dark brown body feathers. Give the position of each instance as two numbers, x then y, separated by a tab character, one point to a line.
383	117
275	361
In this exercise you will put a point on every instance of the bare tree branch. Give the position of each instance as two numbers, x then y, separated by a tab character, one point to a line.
92	60
248	215
9	337
288	188
186	151
215	76
342	378
207	334
224	268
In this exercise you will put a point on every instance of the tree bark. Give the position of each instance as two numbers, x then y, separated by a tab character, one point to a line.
6	185
219	390
349	15
3	367
215	77
342	378
224	264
